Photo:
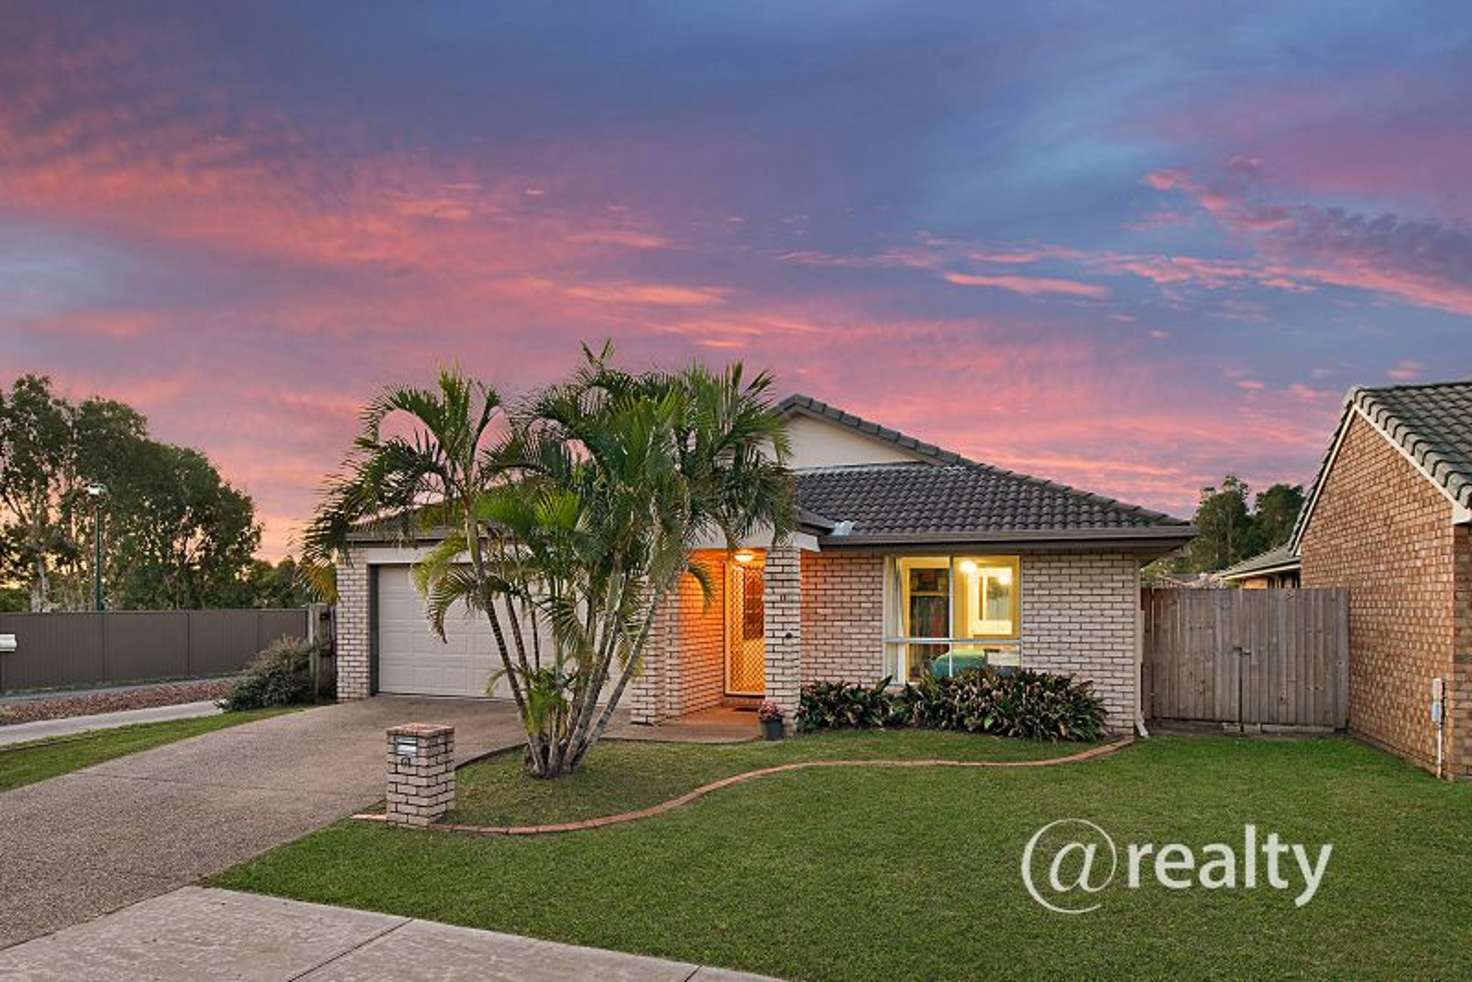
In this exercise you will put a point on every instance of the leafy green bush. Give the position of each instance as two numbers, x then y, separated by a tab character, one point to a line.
279	676
1034	705
840	705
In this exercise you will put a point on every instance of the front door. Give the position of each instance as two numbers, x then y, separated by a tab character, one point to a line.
746	662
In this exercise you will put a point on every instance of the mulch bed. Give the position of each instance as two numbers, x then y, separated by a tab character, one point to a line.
64	705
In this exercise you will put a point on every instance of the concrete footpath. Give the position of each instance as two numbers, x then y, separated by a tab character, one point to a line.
47	728
196	933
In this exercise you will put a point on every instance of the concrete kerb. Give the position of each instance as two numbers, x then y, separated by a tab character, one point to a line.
690	796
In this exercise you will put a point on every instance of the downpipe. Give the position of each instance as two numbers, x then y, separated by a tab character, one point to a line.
1438	719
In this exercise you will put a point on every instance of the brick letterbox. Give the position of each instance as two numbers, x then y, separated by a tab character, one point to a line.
421	772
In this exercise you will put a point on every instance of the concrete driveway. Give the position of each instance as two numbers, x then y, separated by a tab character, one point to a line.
89	842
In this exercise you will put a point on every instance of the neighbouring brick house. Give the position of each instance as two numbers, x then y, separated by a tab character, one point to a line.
1388	517
908	559
1274	569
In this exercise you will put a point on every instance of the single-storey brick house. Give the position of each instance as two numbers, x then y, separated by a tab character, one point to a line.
1274	569
908	559
1389	518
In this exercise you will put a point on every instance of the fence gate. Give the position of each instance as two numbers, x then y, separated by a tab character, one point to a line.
1259	657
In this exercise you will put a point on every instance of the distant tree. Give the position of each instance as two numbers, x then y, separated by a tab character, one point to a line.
107	441
35	444
178	534
1229	532
282	584
175	533
1274	513
1224	526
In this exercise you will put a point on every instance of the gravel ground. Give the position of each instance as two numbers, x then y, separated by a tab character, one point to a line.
63	705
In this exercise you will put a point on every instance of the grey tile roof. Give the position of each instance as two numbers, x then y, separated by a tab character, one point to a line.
946	497
1283	557
956	501
1432	423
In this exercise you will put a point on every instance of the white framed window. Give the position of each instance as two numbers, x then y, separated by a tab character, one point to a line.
944	614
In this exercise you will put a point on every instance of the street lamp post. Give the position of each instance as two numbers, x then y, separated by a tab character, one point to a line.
96	493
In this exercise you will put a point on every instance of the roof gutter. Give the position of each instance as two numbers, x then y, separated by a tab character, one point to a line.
1247	574
1150	538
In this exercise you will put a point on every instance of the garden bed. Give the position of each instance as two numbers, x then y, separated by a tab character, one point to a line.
64	705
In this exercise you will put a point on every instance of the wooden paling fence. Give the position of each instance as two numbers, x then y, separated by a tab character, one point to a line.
1262	658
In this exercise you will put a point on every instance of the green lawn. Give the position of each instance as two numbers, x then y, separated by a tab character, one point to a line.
623	775
26	763
914	873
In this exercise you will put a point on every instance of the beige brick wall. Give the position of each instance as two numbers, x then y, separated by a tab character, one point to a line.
825	621
645	695
1385	532
842	617
782	597
684	669
353	637
699	680
1080	617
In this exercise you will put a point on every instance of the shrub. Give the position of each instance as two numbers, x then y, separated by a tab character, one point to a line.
1035	705
837	705
279	676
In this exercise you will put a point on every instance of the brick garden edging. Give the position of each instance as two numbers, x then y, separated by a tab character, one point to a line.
705	789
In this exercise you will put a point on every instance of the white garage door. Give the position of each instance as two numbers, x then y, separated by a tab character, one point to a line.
411	657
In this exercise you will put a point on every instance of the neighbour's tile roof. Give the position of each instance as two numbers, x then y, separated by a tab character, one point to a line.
1282	557
1431	422
945	496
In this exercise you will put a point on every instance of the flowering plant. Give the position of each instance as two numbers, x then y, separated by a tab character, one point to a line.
769	710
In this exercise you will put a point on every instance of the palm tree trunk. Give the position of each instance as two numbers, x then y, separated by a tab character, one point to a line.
589	701
630	669
534	742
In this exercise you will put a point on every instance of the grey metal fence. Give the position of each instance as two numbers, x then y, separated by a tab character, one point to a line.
62	650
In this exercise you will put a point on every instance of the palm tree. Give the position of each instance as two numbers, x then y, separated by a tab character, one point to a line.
580	512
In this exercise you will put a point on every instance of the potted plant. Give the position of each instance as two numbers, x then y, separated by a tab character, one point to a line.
770	715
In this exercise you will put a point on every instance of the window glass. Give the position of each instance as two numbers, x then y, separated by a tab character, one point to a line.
985	603
925	597
941	608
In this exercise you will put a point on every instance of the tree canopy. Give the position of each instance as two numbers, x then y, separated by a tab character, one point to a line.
1233	525
175	533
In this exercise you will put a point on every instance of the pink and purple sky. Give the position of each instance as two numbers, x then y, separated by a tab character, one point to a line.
1129	249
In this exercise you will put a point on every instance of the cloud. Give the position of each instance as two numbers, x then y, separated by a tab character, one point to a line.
1425	262
1405	371
657	294
1031	286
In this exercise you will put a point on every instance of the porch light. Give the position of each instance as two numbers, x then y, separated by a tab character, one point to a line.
744	556
968	567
